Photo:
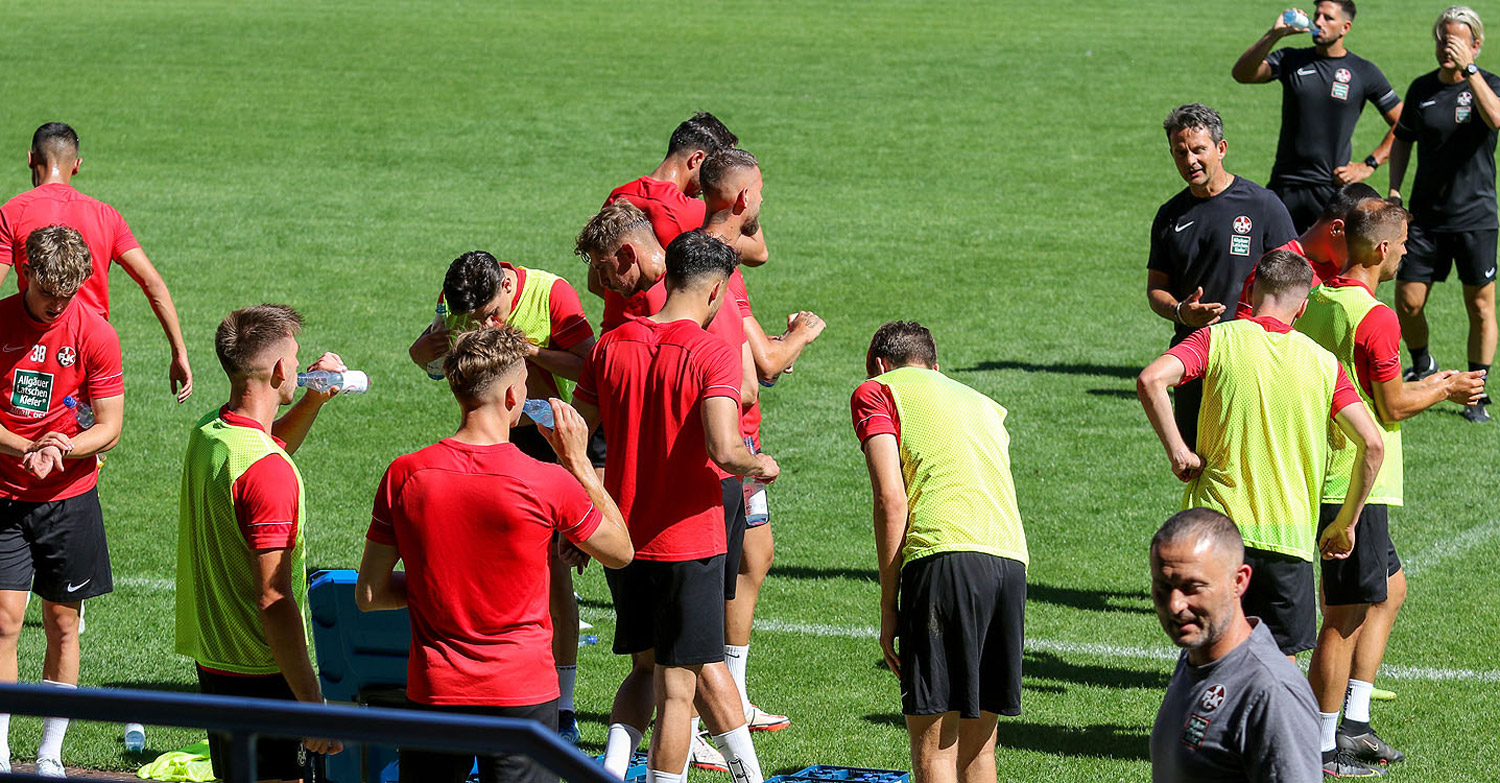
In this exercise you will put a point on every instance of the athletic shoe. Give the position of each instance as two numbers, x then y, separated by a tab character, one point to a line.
1343	765
1381	694
50	768
1415	373
4	766
1477	413
703	755
758	719
1367	747
567	726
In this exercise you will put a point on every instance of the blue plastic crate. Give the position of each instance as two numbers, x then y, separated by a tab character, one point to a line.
636	772
824	772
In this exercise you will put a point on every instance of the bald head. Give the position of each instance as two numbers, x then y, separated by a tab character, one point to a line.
56	144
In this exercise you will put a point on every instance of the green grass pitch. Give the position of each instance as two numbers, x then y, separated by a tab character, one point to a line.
990	169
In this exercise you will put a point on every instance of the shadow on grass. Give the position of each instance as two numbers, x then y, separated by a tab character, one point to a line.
1063	368
1047	666
1089	600
808	572
1124	394
153	685
1103	741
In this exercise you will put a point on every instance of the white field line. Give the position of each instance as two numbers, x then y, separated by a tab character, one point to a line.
1451	548
145	582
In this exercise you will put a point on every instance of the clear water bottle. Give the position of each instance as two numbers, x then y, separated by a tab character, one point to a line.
135	738
348	382
1297	19
81	411
757	511
539	411
434	368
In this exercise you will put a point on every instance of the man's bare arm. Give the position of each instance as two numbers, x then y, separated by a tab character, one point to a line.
883	461
140	269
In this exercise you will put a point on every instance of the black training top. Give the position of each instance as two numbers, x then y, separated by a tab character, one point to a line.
1214	242
1454	189
1321	100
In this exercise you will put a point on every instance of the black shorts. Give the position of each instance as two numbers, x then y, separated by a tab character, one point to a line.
959	634
531	443
276	758
734	532
55	549
1360	578
1431	254
675	609
1304	202
1283	596
428	766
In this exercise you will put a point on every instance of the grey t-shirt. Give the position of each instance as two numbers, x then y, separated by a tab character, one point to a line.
1249	716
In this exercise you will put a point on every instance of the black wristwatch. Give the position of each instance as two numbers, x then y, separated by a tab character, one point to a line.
1470	70
1372	162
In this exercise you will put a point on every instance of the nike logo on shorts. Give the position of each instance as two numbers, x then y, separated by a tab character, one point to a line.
72	588
1490	274
1184	225
1307	71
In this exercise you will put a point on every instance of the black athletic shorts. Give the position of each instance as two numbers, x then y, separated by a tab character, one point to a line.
428	766
276	758
1304	202
959	631
675	609
55	549
1283	596
734	532
1360	578
1431	254
531	443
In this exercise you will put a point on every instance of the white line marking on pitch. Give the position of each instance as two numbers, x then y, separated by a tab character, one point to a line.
146	582
1119	651
1450	548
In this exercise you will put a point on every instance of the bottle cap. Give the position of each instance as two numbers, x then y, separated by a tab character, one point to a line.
69	402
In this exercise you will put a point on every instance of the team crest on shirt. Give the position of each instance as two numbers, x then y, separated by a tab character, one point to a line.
1465	108
1194	729
1212	698
1242	225
66	356
1340	91
1343	75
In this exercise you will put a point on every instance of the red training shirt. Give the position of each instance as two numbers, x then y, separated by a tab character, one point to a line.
874	411
105	232
740	296
40	364
474	525
1193	353
649	380
639	304
1377	342
671	213
1322	272
265	495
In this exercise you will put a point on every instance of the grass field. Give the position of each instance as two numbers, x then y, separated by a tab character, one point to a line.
988	169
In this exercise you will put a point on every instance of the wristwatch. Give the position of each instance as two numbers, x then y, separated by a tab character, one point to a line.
1372	162
1470	70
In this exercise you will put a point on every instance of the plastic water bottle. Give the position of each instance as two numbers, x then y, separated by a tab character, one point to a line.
1297	19
135	738
434	368
348	382
81	411
757	511
539	411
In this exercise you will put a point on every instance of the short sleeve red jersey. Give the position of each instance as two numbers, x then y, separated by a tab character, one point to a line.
105	232
1377	342
1193	353
474	525
874	411
265	495
1322	272
641	304
670	211
649	381
77	355
740	298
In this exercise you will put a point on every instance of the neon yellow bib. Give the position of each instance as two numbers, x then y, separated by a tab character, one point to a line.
1333	316
955	460
531	314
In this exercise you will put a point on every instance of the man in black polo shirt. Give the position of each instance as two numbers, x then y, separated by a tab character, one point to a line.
1324	89
1452	120
1205	241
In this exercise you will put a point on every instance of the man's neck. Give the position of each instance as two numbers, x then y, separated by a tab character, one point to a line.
1369	275
723	225
52	174
1318	243
1335	49
672	170
257	401
1450	76
1214	186
1268	308
1239	631
683	306
651	274
487	425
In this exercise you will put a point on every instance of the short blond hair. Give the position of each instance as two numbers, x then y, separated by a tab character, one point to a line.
482	356
59	258
610	228
247	334
1459	14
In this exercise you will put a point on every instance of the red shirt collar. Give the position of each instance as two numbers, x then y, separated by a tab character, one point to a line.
1270	324
1345	282
235	420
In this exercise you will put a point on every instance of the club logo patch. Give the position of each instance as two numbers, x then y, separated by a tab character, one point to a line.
1462	113
1212	698
1242	225
31	393
1466	99
66	356
1239	246
1343	75
1194	729
38	353
1340	91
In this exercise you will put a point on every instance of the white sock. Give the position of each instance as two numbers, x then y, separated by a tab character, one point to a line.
621	745
652	776
1328	724
1357	701
687	763
737	659
5	740
53	730
566	677
739	754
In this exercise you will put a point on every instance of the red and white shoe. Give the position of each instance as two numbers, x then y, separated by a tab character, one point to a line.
703	755
760	720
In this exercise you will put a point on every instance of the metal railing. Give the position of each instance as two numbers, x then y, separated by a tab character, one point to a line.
245	719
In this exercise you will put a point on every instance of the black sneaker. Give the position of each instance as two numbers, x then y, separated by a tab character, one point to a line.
1477	413
1344	765
1417	373
1367	747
